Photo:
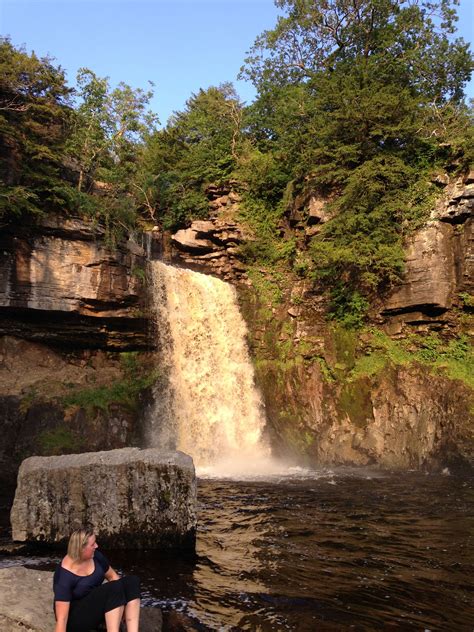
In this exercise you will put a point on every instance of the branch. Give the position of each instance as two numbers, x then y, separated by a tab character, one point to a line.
148	204
14	107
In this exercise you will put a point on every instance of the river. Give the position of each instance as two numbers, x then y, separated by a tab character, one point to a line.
327	550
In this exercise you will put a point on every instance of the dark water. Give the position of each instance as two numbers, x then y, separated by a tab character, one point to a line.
343	551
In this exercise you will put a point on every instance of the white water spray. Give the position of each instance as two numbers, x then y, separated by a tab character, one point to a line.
210	407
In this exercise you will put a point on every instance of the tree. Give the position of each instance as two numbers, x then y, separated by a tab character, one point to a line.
380	87
106	144
108	124
199	146
35	110
409	37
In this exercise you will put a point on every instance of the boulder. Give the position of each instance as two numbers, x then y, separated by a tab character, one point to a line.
26	600
132	498
317	210
193	240
26	603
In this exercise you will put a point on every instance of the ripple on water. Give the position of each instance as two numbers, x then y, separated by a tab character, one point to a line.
294	552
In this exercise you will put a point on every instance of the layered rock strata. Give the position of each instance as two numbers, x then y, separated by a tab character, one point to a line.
133	498
60	284
213	246
439	265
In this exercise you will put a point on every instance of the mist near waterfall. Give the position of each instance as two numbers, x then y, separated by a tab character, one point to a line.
208	405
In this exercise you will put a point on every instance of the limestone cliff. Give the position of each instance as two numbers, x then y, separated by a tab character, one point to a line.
332	397
71	310
60	284
73	339
439	265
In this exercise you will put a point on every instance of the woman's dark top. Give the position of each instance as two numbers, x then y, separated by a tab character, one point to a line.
68	586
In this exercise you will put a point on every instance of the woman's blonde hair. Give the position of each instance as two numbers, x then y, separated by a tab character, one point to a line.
77	541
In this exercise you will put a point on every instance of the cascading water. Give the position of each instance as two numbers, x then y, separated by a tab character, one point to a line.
209	407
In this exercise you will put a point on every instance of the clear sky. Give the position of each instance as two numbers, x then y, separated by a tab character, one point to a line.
180	45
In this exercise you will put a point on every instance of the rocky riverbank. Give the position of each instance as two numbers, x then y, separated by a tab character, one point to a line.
26	603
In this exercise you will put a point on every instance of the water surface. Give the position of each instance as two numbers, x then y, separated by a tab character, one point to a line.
346	550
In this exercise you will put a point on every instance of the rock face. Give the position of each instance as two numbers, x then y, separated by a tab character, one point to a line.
38	416
401	418
430	278
26	600
439	265
59	283
133	498
212	246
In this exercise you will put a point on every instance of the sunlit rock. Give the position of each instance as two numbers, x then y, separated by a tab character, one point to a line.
317	210
26	600
193	240
429	278
133	498
60	283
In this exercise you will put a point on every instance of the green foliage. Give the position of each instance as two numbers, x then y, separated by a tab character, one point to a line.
360	251
454	358
467	299
60	440
355	400
124	392
197	147
55	149
410	41
369	365
359	102
34	117
326	371
348	307
139	273
267	286
27	400
106	145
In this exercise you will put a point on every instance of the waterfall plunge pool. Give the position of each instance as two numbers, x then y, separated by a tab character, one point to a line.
328	550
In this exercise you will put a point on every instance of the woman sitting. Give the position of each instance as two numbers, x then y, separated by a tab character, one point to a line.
82	601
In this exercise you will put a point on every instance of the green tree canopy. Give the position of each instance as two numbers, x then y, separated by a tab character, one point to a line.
35	109
198	146
362	99
411	38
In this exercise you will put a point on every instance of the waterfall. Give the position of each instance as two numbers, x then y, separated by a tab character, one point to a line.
209	407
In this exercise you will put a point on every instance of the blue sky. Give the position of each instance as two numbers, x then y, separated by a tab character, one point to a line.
180	45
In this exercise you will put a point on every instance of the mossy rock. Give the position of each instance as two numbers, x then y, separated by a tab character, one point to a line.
355	401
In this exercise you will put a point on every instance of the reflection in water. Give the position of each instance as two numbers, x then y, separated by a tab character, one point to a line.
331	551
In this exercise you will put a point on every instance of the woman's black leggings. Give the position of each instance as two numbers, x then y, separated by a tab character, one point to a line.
87	613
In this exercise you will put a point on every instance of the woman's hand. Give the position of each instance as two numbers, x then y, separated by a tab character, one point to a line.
111	575
62	614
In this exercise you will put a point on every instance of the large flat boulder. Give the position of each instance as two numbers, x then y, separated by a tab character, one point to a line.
26	600
132	498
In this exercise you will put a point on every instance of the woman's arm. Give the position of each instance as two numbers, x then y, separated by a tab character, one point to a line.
111	575
62	613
